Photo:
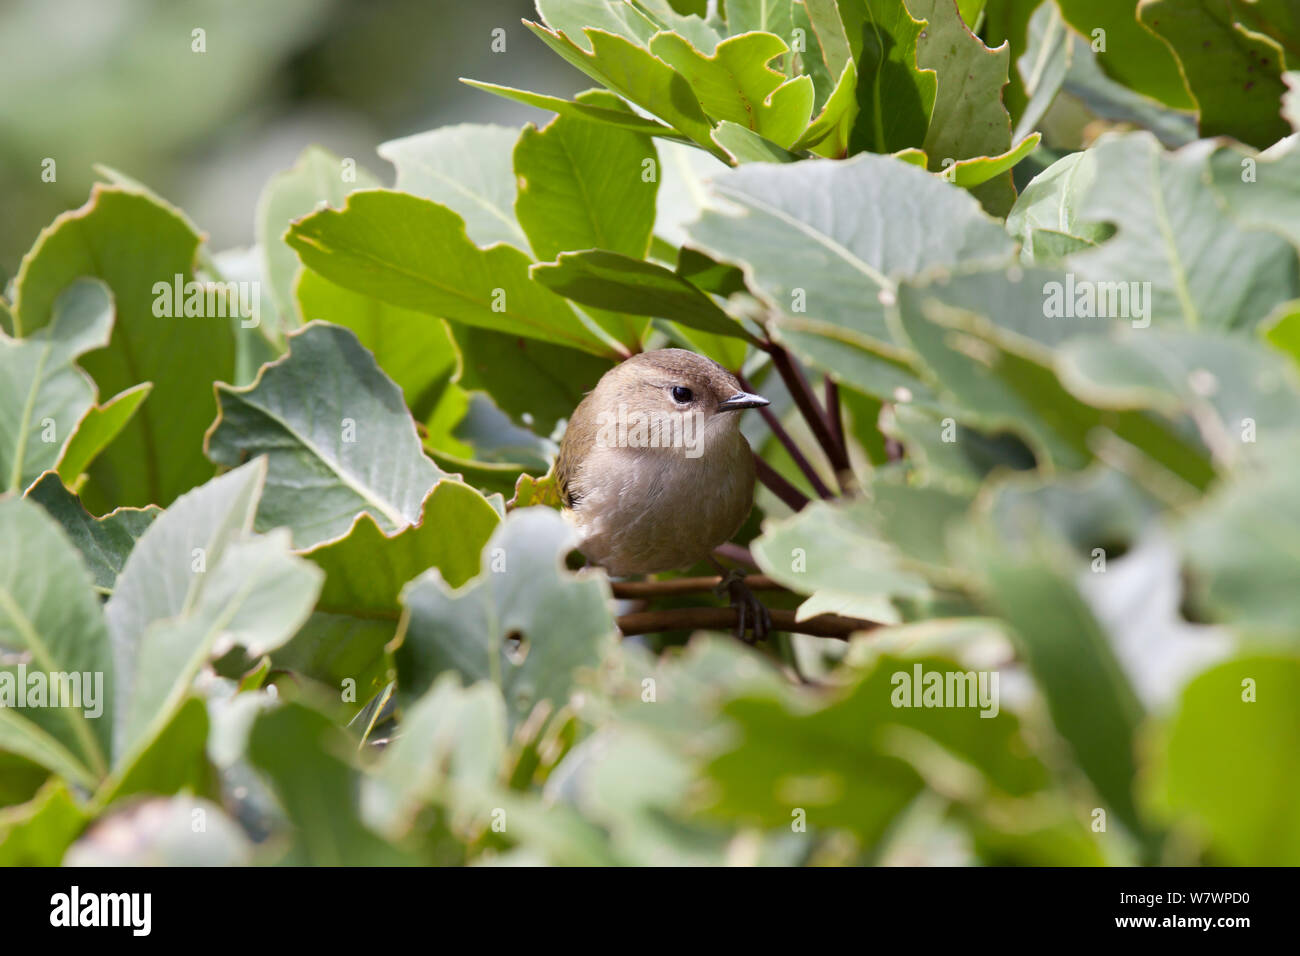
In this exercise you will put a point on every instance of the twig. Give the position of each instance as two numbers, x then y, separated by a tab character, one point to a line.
833	413
775	483
806	402
677	586
726	619
788	443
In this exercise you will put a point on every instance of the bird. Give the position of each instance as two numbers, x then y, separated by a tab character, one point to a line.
653	471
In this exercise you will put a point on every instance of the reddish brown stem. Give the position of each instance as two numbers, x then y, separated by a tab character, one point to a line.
788	443
726	619
777	484
806	402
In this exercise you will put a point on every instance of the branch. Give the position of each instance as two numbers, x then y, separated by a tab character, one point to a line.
775	483
676	586
726	619
788	443
806	402
833	412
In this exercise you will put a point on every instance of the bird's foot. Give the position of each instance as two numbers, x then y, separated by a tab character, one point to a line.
753	616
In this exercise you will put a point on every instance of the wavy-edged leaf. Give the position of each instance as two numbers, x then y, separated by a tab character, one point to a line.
100	425
104	543
465	168
51	628
414	254
354	449
42	392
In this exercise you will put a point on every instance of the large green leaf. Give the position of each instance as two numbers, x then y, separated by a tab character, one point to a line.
1204	269
561	623
164	574
317	177
1229	761
1262	191
299	751
607	280
358	609
414	254
465	168
354	450
1133	54
585	185
845	764
133	243
413	349
104	542
968	119
895	96
1234	74
38	832
1045	218
42	393
255	597
1026	580
51	628
825	278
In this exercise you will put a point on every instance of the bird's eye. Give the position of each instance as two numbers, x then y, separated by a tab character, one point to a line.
682	395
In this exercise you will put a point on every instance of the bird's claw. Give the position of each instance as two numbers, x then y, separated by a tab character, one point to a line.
752	616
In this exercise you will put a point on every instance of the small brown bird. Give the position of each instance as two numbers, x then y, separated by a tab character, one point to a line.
653	470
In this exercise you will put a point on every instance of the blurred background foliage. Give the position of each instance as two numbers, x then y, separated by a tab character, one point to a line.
114	82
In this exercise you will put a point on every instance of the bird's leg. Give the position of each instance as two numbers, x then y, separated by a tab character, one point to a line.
749	608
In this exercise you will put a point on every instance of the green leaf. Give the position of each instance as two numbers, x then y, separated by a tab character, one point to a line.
620	118
853	557
298	750
1204	270
38	832
413	349
358	609
849	764
536	384
317	177
1239	550
736	83
781	225
51	624
467	169
164	574
173	758
414	254
745	146
1091	702
895	95
633	72
622	284
1229	759
100	425
562	622
828	133
354	450
137	247
451	749
1008	21
104	542
1262	191
584	185
968	119
42	393
1133	54
770	16
969	173
1235	75
824	15
1048	211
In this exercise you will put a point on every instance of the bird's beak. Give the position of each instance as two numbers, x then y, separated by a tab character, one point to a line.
742	400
